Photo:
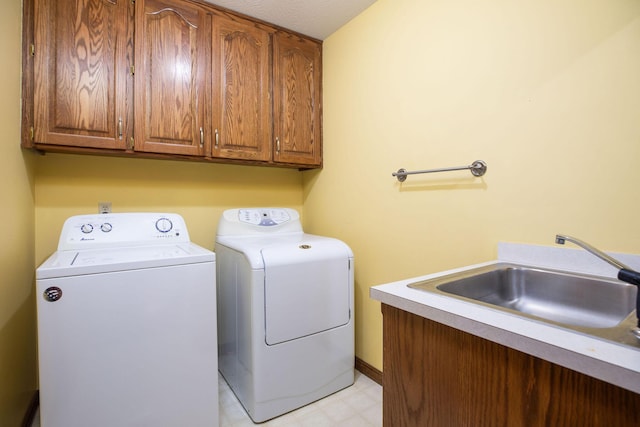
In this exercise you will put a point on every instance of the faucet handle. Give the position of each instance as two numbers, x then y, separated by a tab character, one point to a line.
632	277
629	276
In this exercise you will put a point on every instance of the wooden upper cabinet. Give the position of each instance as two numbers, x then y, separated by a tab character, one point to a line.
241	88
176	79
172	91
297	100
82	84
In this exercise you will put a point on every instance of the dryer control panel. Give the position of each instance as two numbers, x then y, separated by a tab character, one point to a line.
122	229
263	217
251	221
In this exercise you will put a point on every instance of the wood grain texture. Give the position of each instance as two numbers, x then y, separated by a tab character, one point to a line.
241	89
435	375
297	99
81	86
78	90
172	52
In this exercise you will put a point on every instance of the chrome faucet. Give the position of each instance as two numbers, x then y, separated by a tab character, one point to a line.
625	273
584	245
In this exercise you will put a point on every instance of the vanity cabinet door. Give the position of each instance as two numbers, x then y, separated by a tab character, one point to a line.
241	88
82	80
297	100
172	91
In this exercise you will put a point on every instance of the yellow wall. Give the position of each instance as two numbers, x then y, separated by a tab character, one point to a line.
69	185
546	92
17	306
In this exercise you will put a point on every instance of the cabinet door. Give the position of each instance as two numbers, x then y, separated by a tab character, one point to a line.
82	83
297	100
241	103
172	56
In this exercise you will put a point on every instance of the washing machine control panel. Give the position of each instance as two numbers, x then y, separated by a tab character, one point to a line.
263	217
122	229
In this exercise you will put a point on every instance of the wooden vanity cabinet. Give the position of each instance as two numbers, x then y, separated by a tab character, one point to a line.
172	89
241	73
82	83
297	100
435	375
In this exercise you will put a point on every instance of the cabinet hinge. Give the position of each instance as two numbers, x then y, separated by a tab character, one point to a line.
132	70
32	49
131	144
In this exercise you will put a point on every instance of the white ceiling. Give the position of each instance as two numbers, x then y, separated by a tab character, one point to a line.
315	18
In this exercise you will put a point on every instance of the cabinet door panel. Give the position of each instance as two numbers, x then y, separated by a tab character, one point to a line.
171	89
297	93
241	107
82	84
436	375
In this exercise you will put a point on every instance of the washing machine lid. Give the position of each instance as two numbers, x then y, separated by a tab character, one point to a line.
104	260
307	288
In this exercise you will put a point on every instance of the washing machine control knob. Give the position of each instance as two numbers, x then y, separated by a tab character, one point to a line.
106	227
86	228
164	225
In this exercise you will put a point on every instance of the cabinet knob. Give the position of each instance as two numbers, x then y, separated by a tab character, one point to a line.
120	128
217	137
277	145
201	137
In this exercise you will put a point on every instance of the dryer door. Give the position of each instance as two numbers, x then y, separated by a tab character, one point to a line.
307	288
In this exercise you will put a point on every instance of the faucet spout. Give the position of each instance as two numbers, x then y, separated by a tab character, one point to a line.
560	239
625	273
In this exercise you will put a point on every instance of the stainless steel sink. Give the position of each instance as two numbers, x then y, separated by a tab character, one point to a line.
582	302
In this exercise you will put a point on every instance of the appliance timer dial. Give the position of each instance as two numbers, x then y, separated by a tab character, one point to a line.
164	225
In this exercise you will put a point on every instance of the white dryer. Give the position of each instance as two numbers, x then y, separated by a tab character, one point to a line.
127	325
285	311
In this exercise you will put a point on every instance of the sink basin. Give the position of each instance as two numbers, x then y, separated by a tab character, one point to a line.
565	298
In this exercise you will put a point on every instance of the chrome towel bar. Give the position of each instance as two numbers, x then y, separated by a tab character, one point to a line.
477	168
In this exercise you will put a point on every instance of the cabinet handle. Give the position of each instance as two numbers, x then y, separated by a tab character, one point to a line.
277	145
120	128
201	137
217	137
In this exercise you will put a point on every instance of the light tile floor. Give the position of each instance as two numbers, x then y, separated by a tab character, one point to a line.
357	406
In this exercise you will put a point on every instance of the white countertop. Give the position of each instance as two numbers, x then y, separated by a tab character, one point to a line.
609	361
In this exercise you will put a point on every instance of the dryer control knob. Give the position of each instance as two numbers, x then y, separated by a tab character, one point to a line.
164	225
106	227
86	228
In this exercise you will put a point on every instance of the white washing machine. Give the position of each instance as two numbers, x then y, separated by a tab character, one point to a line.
285	311
127	325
